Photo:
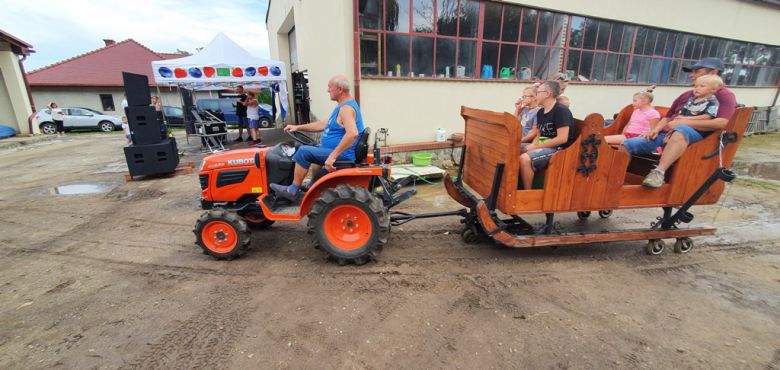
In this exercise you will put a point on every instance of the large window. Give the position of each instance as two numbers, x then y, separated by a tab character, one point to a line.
491	40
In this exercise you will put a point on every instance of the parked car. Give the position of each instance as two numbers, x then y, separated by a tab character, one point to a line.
228	109
79	118
174	116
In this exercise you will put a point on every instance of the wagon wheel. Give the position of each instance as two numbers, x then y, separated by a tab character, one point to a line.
469	236
605	214
683	245
349	224
655	246
222	234
583	215
256	221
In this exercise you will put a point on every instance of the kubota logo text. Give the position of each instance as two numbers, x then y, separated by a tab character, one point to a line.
233	162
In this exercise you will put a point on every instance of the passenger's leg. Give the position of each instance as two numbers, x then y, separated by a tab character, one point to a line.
614	139
526	171
674	149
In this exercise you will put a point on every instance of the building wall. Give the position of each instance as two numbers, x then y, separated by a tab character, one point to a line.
324	36
413	110
15	107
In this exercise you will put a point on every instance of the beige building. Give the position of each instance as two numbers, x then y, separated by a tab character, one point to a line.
15	104
415	62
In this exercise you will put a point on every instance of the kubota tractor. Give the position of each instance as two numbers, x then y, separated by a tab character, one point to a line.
347	209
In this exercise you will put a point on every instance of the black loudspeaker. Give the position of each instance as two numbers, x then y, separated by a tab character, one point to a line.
186	96
152	159
144	127
137	89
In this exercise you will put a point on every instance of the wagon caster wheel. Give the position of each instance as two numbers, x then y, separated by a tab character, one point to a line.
222	234
349	224
584	215
605	214
469	236
655	246
683	245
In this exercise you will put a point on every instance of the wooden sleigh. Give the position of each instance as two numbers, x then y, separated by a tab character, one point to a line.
589	176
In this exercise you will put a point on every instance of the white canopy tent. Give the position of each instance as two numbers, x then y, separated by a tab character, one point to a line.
222	65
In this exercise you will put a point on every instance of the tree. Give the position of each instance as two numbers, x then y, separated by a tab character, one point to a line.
182	52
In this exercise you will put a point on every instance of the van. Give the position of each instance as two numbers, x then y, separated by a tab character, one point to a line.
228	109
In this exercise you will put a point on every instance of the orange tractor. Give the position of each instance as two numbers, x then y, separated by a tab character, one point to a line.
348	209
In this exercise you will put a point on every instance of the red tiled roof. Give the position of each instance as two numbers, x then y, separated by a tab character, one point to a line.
102	67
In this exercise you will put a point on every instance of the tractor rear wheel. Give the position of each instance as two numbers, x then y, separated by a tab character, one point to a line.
349	224
222	234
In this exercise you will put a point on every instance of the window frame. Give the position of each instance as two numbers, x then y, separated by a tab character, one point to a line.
103	102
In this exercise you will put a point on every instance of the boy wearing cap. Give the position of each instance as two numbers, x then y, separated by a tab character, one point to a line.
677	143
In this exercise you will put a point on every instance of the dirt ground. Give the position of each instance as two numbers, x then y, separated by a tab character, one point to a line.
114	280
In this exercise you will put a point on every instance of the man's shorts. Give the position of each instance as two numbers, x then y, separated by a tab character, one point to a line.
128	137
540	158
691	135
640	146
307	154
254	123
243	121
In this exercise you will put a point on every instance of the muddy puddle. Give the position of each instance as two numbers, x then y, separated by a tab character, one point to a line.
78	189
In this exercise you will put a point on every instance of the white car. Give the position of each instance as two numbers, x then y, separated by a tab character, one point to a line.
79	118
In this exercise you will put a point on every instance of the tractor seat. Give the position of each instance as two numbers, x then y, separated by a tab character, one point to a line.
361	152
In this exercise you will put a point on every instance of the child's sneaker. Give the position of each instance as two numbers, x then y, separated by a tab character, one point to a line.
654	179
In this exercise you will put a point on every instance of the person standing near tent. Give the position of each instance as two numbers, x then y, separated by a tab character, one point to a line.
253	113
243	121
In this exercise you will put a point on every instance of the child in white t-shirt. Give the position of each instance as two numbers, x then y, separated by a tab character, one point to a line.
126	128
642	120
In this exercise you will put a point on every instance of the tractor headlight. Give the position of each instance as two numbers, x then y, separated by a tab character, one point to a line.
201	166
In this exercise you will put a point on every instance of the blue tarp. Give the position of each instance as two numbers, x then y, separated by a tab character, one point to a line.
6	132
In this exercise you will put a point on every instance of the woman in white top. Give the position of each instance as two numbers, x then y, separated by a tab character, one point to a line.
253	114
57	116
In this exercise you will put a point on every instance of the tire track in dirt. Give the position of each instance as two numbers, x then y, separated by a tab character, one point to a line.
205	340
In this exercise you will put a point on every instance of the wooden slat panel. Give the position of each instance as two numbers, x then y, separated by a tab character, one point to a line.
617	176
638	195
476	142
527	200
632	179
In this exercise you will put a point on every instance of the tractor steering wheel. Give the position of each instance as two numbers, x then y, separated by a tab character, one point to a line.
301	138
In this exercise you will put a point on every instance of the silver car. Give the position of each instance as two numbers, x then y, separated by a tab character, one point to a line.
79	118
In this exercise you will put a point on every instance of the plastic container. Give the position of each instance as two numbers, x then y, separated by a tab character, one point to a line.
505	73
422	159
440	135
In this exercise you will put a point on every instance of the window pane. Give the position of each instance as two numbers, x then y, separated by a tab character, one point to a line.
644	71
544	35
586	62
599	64
660	43
678	47
728	73
674	71
633	75
603	40
775	58
491	28
705	49
369	54
577	26
397	15
665	70
511	28
641	35
609	72
650	41
447	17
508	58
525	58
670	42
422	56
397	55
422	16
469	18
445	58
573	63
655	70
546	62
750	57
628	38
764	55
559	29
753	76
528	33
689	45
622	68
714	48
697	47
591	29
721	49
371	17
467	58
616	35
489	59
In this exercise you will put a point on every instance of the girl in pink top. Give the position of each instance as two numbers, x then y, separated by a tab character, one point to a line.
641	120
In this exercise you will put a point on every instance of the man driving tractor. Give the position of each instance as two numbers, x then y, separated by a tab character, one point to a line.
339	138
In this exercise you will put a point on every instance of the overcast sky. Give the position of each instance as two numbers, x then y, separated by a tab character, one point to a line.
62	29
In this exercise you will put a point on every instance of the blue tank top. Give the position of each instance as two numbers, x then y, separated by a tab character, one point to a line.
333	133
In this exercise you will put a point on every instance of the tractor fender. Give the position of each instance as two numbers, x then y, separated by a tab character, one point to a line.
352	176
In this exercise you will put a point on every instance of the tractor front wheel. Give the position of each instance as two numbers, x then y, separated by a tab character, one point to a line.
222	234
349	224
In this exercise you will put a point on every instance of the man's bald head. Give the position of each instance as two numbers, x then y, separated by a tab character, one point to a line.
340	82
